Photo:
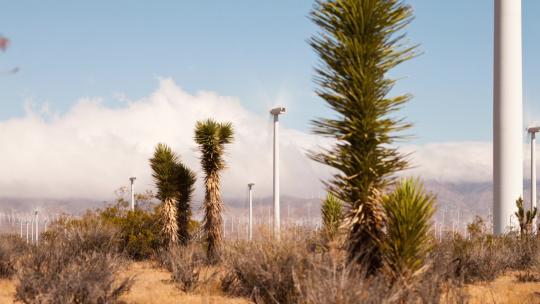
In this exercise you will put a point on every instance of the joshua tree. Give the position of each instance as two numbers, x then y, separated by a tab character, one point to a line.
358	45
185	180
525	218
174	182
408	211
332	215
211	137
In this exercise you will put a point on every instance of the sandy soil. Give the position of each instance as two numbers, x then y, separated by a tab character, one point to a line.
152	284
7	291
505	289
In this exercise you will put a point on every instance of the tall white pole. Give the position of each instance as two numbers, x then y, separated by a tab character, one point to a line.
277	229
37	227
132	205
507	113
250	220
27	231
533	131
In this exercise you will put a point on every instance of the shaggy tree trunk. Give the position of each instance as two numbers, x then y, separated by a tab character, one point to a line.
169	224
214	223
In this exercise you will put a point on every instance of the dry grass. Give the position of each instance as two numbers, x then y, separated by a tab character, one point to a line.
505	289
76	264
153	284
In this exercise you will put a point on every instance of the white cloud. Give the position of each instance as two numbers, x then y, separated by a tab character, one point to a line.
92	149
452	161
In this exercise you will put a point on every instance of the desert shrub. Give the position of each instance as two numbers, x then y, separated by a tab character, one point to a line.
75	263
139	233
337	282
296	272
485	257
12	248
185	264
477	228
265	270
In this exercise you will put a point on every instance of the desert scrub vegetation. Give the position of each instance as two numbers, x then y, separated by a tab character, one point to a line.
12	249
186	264
75	263
485	257
303	271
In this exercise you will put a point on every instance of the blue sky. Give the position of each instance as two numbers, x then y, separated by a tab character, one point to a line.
254	50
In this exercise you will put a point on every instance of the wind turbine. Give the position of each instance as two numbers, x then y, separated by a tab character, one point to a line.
250	220
37	226
507	112
132	205
532	131
276	112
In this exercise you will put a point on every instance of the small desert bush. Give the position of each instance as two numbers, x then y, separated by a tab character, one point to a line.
299	272
485	257
75	263
185	264
265	270
138	231
12	248
338	282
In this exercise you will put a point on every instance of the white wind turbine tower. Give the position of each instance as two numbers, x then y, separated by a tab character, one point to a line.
276	112
132	204
533	131
37	226
27	231
250	220
507	113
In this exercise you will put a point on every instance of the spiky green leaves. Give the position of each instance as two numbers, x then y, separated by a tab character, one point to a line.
408	210
212	137
174	181
525	218
332	215
359	42
164	171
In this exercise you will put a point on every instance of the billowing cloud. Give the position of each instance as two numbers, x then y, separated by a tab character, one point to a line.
455	162
92	149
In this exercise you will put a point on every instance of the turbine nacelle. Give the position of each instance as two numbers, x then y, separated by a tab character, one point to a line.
277	111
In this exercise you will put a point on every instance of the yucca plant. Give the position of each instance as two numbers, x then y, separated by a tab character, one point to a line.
185	180
359	43
211	137
332	215
174	182
525	218
408	211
